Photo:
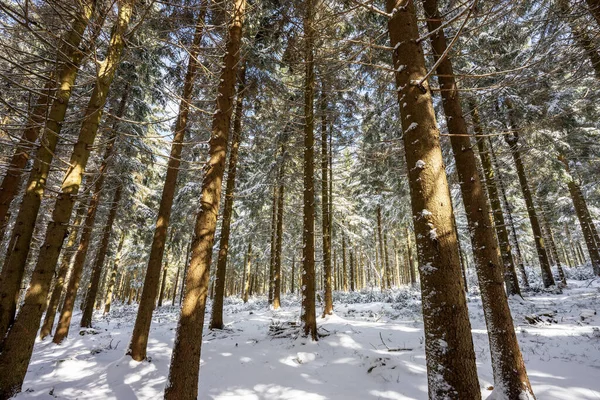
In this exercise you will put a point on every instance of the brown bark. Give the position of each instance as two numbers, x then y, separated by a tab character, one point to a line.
247	273
326	209
174	296
308	316
554	249
185	361
216	321
584	217
381	266
113	274
452	372
510	375
583	40
512	140
279	233
62	329
20	241
273	241
411	268
141	329
19	341
90	299
59	283
388	268
344	269
163	284
510	272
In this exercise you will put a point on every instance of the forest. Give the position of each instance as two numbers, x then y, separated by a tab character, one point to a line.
302	199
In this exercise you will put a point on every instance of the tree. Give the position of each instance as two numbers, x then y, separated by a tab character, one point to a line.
185	361
451	368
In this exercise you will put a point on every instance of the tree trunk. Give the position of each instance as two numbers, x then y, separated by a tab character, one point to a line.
381	251
247	273
388	268
185	361
163	284
273	244
216	321
57	292
326	209
452	372
344	269
510	272
512	140
279	233
510	376
19	341
113	275
584	217
141	329
20	241
90	299
411	268
553	248
66	313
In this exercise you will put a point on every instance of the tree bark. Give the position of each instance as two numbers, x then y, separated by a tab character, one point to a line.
510	376
279	233
19	341
382	269
185	361
451	368
273	242
247	272
90	299
513	141
510	272
113	274
326	209
20	241
308	315
141	329
163	284
216	321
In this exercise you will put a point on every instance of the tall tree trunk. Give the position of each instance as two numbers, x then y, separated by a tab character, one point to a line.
308	316
163	284
326	209
352	270
273	241
451	368
594	8
20	241
511	222
216	321
344	269
19	341
185	361
113	274
382	269
510	272
66	313
141	329
512	140
553	248
510	376
584	217
63	270
411	268
90	299
388	268
247	273
279	233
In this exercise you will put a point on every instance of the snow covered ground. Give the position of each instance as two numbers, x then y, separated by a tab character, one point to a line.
561	351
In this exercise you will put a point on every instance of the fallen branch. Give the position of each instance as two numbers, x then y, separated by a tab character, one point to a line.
393	349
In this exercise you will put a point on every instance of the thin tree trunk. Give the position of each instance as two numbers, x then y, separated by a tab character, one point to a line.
451	368
20	241
279	233
388	269
113	274
247	273
14	360
216	321
411	268
141	329
512	140
163	284
510	272
382	268
273	244
344	268
585	220
554	249
185	361
326	209
174	296
90	299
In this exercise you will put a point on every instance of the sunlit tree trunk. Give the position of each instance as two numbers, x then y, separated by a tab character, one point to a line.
113	274
185	360
326	209
247	273
163	285
279	232
451	368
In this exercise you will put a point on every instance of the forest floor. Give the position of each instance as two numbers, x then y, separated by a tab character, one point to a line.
259	356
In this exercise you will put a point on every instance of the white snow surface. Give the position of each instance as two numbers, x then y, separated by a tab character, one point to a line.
562	353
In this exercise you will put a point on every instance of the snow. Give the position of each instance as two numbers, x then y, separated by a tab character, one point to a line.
420	164
243	361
